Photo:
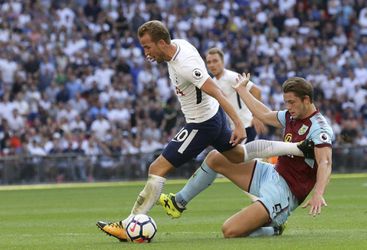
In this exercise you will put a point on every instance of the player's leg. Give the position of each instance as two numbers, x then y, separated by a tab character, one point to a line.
206	174
145	200
266	149
208	132
153	187
246	221
250	222
267	215
199	181
187	144
240	174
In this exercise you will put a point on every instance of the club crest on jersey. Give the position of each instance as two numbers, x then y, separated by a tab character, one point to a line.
197	74
303	129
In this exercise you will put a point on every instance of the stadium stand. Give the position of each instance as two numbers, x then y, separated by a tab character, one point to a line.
74	82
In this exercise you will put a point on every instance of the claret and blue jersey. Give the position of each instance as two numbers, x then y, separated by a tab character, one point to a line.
300	172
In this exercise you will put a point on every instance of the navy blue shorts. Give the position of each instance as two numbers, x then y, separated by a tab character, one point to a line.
193	138
251	134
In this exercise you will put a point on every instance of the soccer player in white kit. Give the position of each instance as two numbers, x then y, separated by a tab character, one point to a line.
225	79
201	102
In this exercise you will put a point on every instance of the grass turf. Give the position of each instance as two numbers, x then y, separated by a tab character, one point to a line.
64	216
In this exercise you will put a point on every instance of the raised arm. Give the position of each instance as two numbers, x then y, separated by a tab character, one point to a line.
256	107
259	126
323	158
213	90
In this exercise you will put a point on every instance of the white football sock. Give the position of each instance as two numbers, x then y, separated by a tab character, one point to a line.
265	149
148	196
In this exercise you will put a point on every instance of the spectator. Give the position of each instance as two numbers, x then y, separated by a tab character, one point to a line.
100	127
85	54
16	121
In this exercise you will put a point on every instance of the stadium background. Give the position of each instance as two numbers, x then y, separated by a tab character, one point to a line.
80	103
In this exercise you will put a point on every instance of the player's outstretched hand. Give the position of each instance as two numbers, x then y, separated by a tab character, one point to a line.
242	80
315	203
238	135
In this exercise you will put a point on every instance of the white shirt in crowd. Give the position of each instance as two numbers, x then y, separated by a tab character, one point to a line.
149	145
8	69
16	122
77	124
100	127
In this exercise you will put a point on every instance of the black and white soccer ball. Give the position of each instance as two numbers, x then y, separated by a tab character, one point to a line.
141	228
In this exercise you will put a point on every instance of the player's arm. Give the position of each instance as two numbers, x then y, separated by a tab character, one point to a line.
256	123
256	92
323	157
213	90
256	107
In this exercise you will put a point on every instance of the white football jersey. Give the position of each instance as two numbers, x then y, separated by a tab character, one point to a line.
188	73
226	82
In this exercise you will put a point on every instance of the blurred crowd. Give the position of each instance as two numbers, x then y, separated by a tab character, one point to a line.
73	77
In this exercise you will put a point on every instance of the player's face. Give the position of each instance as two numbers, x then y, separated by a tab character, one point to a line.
215	64
152	50
296	106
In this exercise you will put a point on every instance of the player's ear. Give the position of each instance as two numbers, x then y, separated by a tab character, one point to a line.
161	42
307	99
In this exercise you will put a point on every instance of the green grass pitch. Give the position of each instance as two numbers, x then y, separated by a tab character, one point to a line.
63	217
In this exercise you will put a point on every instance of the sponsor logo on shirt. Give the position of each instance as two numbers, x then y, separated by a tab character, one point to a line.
288	137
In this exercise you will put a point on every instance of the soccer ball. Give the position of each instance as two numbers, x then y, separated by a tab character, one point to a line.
141	228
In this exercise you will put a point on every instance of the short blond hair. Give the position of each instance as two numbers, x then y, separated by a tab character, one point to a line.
218	51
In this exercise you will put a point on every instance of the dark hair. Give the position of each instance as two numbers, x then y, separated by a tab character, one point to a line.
218	51
299	86
156	30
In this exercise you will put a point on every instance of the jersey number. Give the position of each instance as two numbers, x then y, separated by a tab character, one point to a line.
185	137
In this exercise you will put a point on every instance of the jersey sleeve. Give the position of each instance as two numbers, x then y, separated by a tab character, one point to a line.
281	117
322	136
194	71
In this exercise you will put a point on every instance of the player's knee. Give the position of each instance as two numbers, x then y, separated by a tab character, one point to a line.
226	231
158	167
229	231
212	160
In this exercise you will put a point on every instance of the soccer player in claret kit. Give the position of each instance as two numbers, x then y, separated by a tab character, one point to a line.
276	190
203	105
